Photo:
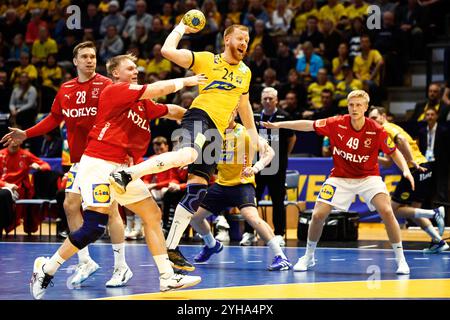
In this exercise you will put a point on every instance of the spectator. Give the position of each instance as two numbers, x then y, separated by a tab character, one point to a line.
434	101
65	53
312	33
167	16
17	48
433	143
339	61
326	148
52	144
11	25
446	94
331	40
284	141
24	66
15	165
354	37
333	11
291	106
42	47
344	87
112	45
4	52
269	81
285	61
113	18
255	11
280	19
258	63
357	9
129	8
103	6
157	34
33	27
23	103
235	11
158	64
315	89
259	36
309	63
389	42
307	8
141	16
219	43
387	5
92	20
5	92
410	18
51	76
294	84
140	39
212	15
328	109
367	68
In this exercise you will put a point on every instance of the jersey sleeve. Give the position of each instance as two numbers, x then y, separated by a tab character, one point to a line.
391	131
56	109
201	61
155	110
386	143
323	126
121	94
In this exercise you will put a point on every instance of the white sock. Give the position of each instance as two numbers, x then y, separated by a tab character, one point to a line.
310	248
53	264
179	224
137	223
274	245
119	255
130	220
164	267
398	251
424	213
163	162
209	240
432	233
83	255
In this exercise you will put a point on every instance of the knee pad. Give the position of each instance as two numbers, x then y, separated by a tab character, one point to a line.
93	227
193	197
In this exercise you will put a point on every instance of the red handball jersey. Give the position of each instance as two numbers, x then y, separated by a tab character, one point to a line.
122	126
77	104
355	153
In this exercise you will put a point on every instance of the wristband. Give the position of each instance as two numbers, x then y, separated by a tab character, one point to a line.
180	30
179	83
258	166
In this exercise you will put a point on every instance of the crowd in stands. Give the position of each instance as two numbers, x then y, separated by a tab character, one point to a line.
314	52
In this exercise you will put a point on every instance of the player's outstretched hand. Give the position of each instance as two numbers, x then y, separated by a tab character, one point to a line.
195	80
248	172
188	29
269	125
14	136
407	174
418	167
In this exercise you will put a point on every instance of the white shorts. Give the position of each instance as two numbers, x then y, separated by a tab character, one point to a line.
72	184
94	185
340	192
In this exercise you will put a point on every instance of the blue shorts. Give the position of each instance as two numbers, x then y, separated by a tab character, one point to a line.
220	197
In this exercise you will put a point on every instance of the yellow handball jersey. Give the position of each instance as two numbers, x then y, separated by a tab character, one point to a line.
225	86
235	157
393	130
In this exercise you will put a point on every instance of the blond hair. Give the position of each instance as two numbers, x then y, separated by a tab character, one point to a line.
114	62
233	27
359	94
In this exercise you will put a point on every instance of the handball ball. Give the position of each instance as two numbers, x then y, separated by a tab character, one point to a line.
194	19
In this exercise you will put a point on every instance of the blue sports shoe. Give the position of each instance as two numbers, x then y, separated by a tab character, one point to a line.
439	217
207	252
436	247
280	264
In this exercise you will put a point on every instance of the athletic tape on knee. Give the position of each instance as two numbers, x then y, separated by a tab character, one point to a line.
93	227
193	197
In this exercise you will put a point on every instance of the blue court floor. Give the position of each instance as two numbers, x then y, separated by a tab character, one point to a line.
235	268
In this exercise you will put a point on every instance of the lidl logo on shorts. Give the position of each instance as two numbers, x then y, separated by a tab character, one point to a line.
404	196
70	179
327	192
101	193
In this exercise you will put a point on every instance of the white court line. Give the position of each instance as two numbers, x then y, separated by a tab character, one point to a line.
200	262
365	259
337	259
390	258
226	262
369	246
421	258
146	265
254	261
13	272
8	259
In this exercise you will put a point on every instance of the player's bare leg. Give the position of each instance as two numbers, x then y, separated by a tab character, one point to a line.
382	203
320	214
151	214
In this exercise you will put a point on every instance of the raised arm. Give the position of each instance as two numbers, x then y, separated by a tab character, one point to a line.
175	112
298	125
246	115
165	87
181	57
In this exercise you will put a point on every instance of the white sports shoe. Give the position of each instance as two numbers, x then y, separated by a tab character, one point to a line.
135	235
40	280
128	232
221	222
280	241
83	271
120	277
304	263
178	281
403	267
247	239
223	235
